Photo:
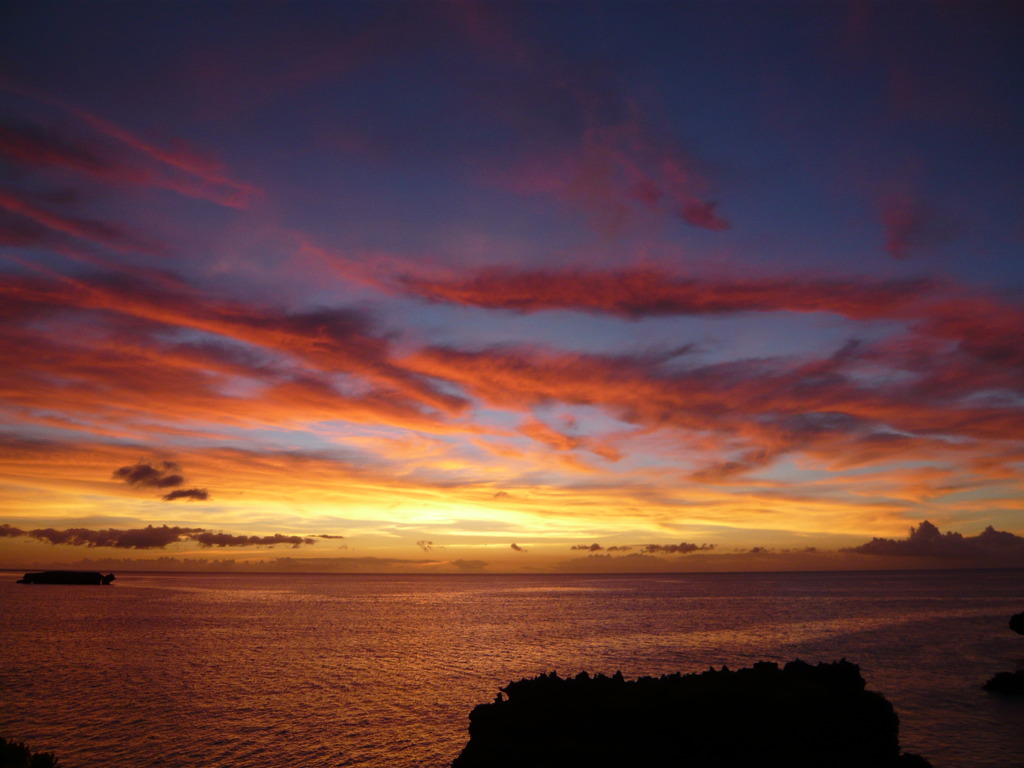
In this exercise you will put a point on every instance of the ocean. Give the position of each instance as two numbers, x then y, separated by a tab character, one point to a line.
381	671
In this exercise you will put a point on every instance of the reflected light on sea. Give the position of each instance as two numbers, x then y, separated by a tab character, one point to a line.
269	670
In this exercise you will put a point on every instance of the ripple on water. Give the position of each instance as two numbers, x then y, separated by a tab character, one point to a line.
381	672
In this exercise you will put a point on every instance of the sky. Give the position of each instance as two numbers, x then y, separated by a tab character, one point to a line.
510	286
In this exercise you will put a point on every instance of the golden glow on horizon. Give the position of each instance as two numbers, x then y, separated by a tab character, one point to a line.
476	332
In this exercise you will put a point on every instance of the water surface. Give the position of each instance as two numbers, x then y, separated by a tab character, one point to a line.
265	670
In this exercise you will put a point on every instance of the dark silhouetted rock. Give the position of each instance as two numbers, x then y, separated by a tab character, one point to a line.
66	577
1007	682
15	754
1017	623
799	716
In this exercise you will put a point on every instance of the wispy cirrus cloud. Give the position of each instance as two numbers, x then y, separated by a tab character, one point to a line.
638	293
93	147
296	357
32	146
757	410
949	398
203	177
912	226
589	144
42	220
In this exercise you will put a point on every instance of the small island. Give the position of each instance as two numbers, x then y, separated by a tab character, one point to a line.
67	577
800	716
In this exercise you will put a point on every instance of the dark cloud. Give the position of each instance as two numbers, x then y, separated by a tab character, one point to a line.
165	475
517	548
192	494
927	541
10	530
595	547
210	539
681	548
153	537
149	537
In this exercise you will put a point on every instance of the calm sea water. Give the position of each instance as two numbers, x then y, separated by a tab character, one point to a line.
195	670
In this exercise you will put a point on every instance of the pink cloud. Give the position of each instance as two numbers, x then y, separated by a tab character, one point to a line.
912	227
637	293
127	158
98	232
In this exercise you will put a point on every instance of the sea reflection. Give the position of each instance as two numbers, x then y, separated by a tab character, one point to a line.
184	670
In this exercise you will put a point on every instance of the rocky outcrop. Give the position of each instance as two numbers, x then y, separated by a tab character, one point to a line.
1011	683
15	754
798	716
1017	623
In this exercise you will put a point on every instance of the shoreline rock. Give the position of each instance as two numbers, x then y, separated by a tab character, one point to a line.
17	754
1017	623
801	716
1009	683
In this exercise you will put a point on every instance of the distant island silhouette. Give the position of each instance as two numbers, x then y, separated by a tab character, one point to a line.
799	716
66	577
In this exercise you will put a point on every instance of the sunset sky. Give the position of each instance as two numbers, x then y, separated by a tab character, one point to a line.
508	286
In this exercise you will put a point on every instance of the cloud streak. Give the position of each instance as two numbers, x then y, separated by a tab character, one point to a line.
639	293
154	537
191	494
101	149
682	548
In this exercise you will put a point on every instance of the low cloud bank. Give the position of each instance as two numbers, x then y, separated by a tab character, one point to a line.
991	546
153	537
682	548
